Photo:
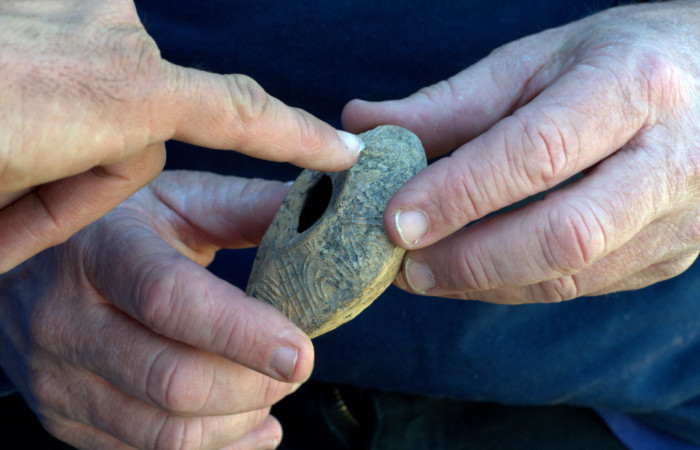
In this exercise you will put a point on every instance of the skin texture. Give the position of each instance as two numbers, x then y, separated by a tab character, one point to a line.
615	97
120	337
88	103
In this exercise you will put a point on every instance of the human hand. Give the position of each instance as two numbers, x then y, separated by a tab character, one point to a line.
120	337
87	103
614	96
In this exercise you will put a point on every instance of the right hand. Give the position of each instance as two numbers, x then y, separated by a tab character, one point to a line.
614	98
87	103
121	338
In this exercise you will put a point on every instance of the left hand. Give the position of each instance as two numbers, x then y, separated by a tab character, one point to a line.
119	338
614	96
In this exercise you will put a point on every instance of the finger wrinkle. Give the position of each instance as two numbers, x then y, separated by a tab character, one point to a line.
555	291
308	136
547	150
569	241
472	272
271	390
590	240
227	335
155	292
55	220
178	385
180	433
464	199
235	335
152	379
247	100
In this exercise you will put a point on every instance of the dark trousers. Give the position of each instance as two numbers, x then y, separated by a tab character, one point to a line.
324	416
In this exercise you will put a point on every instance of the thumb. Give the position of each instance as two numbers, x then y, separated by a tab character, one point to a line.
235	112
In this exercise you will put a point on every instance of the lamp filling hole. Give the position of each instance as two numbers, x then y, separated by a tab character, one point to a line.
317	200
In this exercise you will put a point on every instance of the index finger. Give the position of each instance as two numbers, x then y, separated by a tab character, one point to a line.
179	299
234	112
583	117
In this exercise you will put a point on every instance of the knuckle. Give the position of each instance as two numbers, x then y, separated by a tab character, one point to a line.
247	99
545	151
157	304
661	80
473	273
461	198
572	240
121	77
310	135
152	309
171	386
181	433
556	290
135	59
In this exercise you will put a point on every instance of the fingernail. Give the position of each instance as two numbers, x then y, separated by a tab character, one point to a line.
418	276
283	361
400	282
270	444
411	225
352	142
295	387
